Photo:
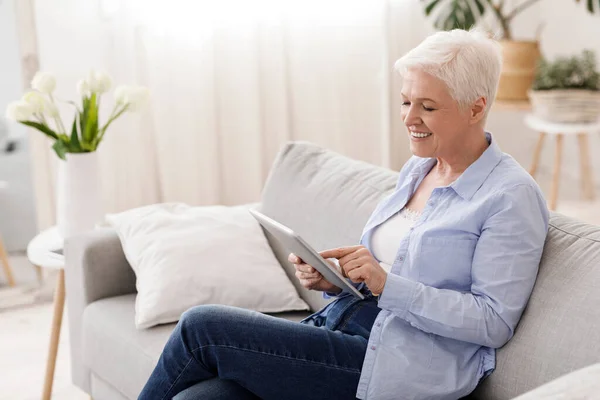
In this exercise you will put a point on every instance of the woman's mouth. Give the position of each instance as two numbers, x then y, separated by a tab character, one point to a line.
419	135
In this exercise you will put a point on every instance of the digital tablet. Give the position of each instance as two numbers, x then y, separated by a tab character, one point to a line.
295	244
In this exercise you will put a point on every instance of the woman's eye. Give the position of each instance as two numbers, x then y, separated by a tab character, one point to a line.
428	108
406	103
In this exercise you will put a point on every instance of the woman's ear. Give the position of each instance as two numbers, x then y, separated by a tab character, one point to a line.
478	110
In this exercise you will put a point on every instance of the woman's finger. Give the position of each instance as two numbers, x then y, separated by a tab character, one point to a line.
356	275
294	259
348	257
306	275
309	283
339	252
350	265
305	268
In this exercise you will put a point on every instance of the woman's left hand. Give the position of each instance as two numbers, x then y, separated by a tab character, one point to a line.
359	265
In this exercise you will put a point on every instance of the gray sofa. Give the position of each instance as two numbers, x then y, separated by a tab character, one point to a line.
327	198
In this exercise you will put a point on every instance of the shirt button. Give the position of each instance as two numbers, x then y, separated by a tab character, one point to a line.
431	203
401	259
379	324
373	347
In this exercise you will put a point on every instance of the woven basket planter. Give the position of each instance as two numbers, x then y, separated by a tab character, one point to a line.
519	62
569	105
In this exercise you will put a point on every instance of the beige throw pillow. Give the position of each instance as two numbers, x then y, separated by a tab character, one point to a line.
184	256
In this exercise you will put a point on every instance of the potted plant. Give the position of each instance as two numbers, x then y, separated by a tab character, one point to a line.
567	89
519	57
78	203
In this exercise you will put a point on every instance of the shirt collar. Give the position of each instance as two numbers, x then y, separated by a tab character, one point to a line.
471	180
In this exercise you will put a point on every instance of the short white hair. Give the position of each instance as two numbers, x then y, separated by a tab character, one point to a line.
468	62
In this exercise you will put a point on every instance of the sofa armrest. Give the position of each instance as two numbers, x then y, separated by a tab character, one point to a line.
578	385
95	268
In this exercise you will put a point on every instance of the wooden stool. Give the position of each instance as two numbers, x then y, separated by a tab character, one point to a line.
3	254
559	130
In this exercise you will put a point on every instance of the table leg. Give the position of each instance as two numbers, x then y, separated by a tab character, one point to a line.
59	302
587	182
39	273
6	265
556	173
536	154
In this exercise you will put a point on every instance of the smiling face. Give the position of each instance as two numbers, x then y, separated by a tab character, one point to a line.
437	127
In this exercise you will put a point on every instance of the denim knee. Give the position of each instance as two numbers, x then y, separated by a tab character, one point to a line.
202	312
200	324
216	389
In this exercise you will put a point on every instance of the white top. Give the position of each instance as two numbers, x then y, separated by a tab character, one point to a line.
564	128
386	237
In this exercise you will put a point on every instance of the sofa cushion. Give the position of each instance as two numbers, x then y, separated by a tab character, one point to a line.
325	197
560	328
117	352
102	390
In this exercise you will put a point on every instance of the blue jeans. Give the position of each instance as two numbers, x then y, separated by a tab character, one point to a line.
220	352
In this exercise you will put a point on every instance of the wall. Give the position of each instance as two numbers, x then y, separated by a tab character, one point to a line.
17	214
567	29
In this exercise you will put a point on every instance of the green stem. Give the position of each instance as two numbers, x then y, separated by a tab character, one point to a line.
42	119
110	120
58	120
504	21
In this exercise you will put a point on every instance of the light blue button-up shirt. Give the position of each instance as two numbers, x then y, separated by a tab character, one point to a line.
460	281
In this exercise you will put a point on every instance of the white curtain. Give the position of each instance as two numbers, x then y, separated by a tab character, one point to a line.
231	82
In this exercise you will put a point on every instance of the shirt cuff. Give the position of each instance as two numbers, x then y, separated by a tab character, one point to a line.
397	295
331	295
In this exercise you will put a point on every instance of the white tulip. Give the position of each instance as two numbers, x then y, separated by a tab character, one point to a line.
83	88
19	111
99	82
37	101
134	97
51	110
44	82
40	104
121	93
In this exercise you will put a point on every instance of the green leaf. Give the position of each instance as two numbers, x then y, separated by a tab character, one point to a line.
74	135
457	14
61	149
429	8
480	7
41	127
576	72
91	121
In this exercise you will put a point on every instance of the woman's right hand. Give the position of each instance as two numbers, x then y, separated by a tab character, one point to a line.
310	278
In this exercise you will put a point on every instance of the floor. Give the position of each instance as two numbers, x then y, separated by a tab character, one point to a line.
24	339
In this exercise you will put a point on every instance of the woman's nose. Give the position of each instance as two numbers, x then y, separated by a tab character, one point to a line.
412	116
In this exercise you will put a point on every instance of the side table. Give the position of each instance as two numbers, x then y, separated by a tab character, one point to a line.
45	251
559	130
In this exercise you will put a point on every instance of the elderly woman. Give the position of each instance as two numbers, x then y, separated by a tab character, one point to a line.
447	263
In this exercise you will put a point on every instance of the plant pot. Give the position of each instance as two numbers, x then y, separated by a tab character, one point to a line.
520	59
78	194
568	105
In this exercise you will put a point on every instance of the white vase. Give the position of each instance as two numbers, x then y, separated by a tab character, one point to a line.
78	194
